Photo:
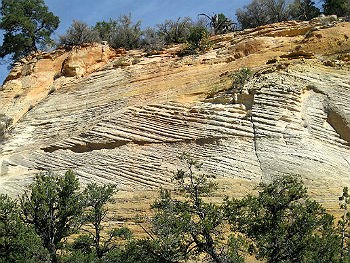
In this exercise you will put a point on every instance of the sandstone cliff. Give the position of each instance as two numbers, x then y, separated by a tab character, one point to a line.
124	117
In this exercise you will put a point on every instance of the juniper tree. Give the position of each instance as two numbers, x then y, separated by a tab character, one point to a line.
53	205
97	241
284	225
27	26
18	241
189	226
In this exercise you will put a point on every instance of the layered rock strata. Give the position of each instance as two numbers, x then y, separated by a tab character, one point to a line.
124	118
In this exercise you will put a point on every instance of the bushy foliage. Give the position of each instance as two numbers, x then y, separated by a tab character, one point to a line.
79	33
262	12
152	40
27	25
220	24
196	35
251	15
124	33
53	206
303	10
5	122
240	77
106	29
284	225
278	224
121	33
337	7
198	40
138	251
175	31
18	241
189	227
344	224
96	198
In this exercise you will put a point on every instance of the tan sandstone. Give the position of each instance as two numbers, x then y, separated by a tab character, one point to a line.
124	117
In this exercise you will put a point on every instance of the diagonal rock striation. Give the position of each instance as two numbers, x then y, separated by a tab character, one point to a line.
124	117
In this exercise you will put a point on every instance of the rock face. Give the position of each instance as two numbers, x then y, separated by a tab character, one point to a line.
123	117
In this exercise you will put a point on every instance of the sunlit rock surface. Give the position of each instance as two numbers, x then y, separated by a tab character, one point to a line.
125	117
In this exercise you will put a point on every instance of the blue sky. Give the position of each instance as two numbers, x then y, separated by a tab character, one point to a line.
150	12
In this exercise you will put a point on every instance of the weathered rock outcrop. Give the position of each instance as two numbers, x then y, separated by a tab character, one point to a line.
124	118
32	79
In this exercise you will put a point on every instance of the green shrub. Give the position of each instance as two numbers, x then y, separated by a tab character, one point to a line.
122	62
284	224
303	10
175	32
344	225
262	12
220	24
190	226
196	42
240	77
106	29
53	206
18	241
137	251
26	26
198	38
79	33
337	7
152	40
121	33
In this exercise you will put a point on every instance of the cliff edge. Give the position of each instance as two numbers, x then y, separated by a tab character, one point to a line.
124	116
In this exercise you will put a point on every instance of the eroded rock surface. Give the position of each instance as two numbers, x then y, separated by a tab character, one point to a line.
125	117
